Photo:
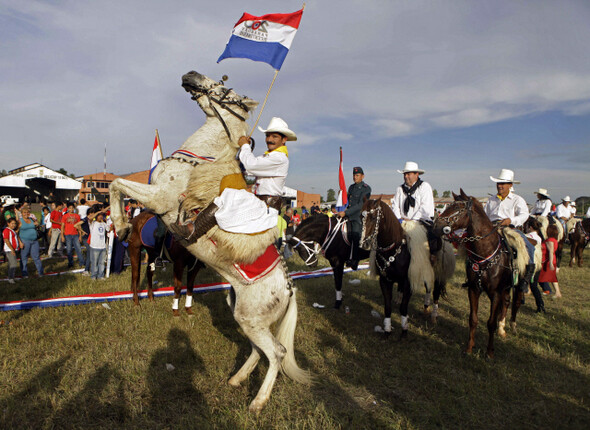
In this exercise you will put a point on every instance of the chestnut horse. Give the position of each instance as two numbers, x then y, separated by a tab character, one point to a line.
488	264
180	257
328	235
578	241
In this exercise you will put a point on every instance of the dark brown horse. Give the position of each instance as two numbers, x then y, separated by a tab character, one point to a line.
320	233
392	246
383	234
488	264
180	257
578	241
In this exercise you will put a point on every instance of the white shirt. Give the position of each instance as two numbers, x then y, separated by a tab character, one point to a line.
47	221
588	213
561	211
270	170
424	208
573	209
98	235
542	207
513	207
82	211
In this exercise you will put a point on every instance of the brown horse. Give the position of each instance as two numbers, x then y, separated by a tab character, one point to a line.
180	257
384	236
488	264
578	241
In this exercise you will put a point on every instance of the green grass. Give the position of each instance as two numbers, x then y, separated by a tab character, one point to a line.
91	367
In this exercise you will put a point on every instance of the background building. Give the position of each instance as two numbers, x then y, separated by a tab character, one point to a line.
37	183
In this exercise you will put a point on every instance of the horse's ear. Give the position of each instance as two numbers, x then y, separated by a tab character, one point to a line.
455	196
465	196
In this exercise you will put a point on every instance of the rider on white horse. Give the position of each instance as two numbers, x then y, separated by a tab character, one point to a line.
270	169
510	210
543	204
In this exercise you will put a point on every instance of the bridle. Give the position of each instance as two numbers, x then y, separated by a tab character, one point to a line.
454	217
386	261
223	102
317	248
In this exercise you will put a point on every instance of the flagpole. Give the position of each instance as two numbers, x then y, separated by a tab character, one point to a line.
159	144
264	103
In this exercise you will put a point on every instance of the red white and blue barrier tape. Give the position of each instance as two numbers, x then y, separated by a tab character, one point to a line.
126	295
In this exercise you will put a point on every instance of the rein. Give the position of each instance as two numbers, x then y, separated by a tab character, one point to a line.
224	105
451	219
312	252
386	262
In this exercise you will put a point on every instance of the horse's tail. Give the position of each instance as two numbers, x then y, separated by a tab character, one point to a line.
420	271
286	336
445	262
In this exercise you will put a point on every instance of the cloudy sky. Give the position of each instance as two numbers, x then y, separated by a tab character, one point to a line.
464	88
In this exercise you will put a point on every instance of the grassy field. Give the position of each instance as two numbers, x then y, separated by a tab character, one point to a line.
91	367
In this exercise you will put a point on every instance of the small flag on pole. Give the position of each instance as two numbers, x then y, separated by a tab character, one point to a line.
342	201
265	38
156	156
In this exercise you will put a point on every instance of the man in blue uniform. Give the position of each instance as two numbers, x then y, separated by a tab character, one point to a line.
356	195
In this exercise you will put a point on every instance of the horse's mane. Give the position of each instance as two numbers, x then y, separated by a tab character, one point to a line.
387	211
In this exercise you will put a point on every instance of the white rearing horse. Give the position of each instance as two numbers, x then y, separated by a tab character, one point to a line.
211	151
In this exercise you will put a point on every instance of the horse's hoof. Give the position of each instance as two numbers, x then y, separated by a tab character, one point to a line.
386	335
337	304
175	312
189	311
427	310
502	334
433	319
234	382
403	335
513	326
256	406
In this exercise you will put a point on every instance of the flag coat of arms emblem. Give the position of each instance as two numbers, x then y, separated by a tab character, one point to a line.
265	38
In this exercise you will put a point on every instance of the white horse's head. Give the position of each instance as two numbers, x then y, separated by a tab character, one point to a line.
223	107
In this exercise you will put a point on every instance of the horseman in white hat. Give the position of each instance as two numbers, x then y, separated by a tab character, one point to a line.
270	170
414	201
272	167
563	210
510	210
543	204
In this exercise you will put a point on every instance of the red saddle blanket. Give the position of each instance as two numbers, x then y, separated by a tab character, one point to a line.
261	267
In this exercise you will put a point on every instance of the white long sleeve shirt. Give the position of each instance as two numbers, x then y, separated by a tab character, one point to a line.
542	207
270	170
424	208
513	207
562	211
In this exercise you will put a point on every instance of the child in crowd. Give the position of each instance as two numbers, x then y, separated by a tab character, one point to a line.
55	218
71	234
47	231
97	241
12	244
549	269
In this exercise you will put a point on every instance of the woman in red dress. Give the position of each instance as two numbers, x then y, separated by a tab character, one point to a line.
549	269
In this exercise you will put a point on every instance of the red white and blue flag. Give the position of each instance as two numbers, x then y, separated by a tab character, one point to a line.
265	38
342	201
156	156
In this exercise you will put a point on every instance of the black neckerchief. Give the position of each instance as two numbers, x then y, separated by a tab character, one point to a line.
409	191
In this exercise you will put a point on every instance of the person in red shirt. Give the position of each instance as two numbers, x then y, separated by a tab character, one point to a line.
12	244
56	223
71	234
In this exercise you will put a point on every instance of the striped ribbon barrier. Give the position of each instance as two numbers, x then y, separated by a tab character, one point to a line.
126	295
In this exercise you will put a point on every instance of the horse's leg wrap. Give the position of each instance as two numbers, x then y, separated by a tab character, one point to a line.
191	231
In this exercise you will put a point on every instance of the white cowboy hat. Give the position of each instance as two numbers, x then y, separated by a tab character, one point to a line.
277	125
566	199
543	192
411	167
505	175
